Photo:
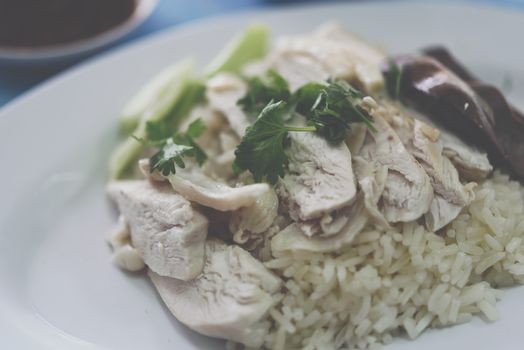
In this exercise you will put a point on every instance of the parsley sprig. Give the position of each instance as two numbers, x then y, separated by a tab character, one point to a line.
261	150
172	149
262	90
329	108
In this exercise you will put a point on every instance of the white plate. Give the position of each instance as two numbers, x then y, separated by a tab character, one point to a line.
58	289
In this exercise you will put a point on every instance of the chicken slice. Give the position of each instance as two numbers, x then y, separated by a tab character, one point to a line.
330	52
471	163
319	177
223	92
407	191
294	238
166	231
204	190
423	142
253	220
228	300
450	194
372	177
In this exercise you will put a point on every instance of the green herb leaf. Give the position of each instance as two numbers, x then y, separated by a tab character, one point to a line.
393	80
168	156
262	90
329	108
261	150
306	98
195	129
174	149
157	131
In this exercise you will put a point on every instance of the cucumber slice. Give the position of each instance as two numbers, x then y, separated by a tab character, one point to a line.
156	101
246	46
156	96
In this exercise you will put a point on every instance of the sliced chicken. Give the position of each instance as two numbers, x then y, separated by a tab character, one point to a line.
471	163
330	52
202	189
223	92
228	300
423	142
428	150
372	177
166	231
319	177
294	238
407	191
253	220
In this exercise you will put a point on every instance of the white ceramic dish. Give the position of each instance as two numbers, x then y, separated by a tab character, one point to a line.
58	289
81	47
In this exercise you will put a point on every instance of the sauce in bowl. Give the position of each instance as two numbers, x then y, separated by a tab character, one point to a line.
37	23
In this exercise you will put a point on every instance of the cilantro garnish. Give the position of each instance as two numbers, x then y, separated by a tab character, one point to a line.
262	90
173	149
329	109
261	150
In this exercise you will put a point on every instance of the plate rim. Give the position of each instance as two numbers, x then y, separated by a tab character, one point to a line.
216	19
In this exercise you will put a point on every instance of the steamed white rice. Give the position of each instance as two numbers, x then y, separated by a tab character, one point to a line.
403	281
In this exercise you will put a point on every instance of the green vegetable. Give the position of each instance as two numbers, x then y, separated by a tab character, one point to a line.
329	109
170	155
169	108
261	150
393	80
262	90
336	107
245	47
173	150
157	96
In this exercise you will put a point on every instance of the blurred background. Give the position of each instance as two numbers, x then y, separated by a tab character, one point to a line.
41	38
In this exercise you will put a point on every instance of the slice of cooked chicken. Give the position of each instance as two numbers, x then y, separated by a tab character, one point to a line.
223	92
294	238
319	177
444	177
471	163
423	142
167	232
330	52
228	300
408	192
372	179
204	190
250	221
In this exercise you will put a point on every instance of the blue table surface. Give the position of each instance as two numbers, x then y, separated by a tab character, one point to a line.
14	81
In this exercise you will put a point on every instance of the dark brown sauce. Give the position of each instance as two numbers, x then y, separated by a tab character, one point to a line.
34	23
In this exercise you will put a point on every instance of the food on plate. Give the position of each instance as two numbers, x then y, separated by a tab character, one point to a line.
318	194
439	86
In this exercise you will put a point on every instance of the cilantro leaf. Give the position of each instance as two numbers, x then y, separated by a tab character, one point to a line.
262	90
168	156
157	131
196	129
329	108
261	150
173	149
306	98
